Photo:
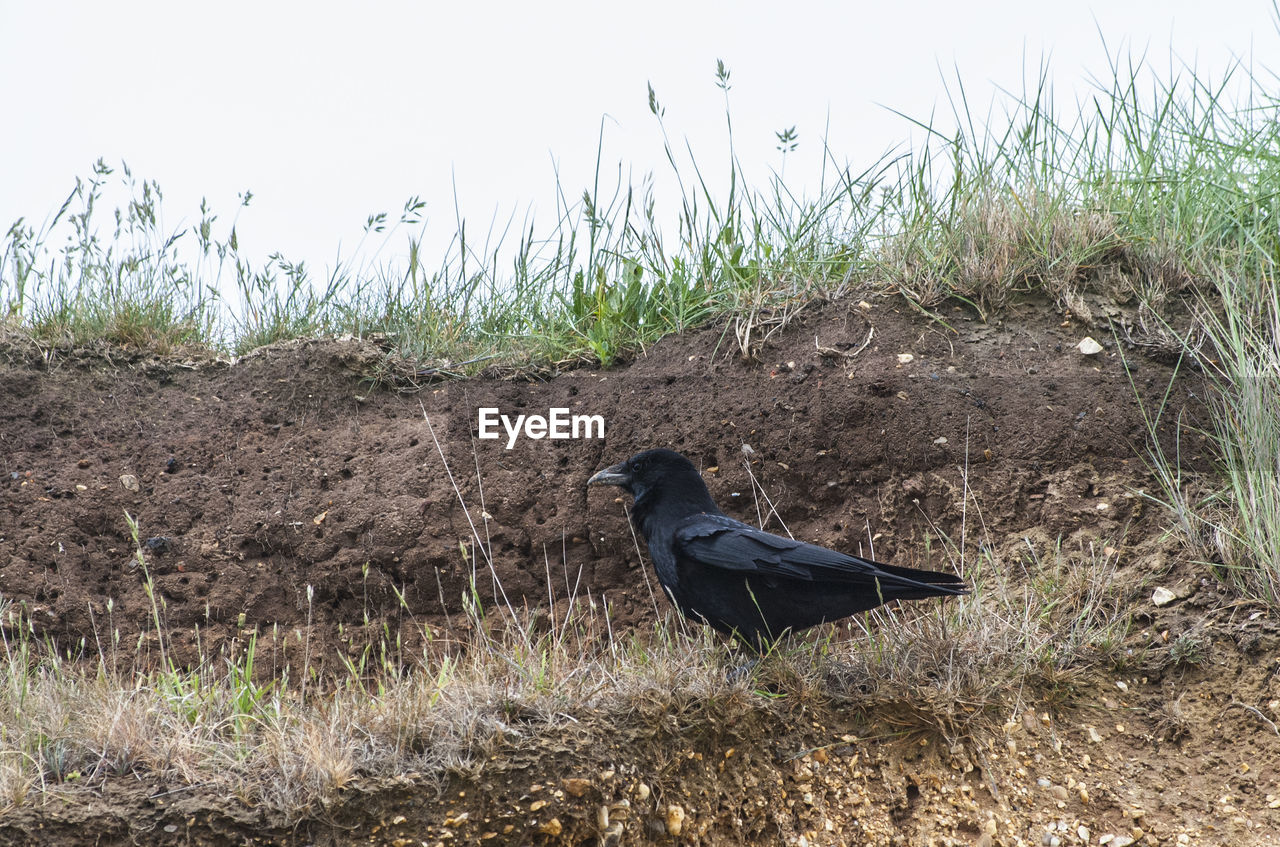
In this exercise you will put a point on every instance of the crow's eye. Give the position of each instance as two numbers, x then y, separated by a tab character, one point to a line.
639	466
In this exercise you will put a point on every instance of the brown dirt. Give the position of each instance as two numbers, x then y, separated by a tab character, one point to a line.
255	480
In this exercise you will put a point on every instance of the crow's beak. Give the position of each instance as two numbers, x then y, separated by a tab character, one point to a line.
614	475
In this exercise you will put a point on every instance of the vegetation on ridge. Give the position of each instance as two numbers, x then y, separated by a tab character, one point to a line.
1141	192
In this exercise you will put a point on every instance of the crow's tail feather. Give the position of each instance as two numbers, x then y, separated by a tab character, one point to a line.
910	583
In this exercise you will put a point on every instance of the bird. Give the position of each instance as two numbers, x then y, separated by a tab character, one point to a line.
747	583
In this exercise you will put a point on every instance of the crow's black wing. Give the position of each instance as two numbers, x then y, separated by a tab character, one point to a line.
722	542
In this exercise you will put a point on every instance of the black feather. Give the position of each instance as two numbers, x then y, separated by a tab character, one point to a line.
742	580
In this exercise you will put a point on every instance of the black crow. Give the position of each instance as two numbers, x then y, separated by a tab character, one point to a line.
744	581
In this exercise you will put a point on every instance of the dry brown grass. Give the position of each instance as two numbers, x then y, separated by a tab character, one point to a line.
1038	623
1042	616
996	245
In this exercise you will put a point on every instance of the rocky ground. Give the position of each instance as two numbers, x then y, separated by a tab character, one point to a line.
286	492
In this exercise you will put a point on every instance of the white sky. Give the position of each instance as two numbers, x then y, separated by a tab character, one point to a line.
331	111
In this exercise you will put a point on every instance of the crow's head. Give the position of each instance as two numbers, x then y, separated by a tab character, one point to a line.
652	470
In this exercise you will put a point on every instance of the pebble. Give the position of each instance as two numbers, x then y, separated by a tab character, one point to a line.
1089	347
675	820
129	481
1163	596
576	785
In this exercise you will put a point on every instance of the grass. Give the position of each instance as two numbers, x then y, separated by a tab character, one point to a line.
1231	523
1245	367
1142	193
